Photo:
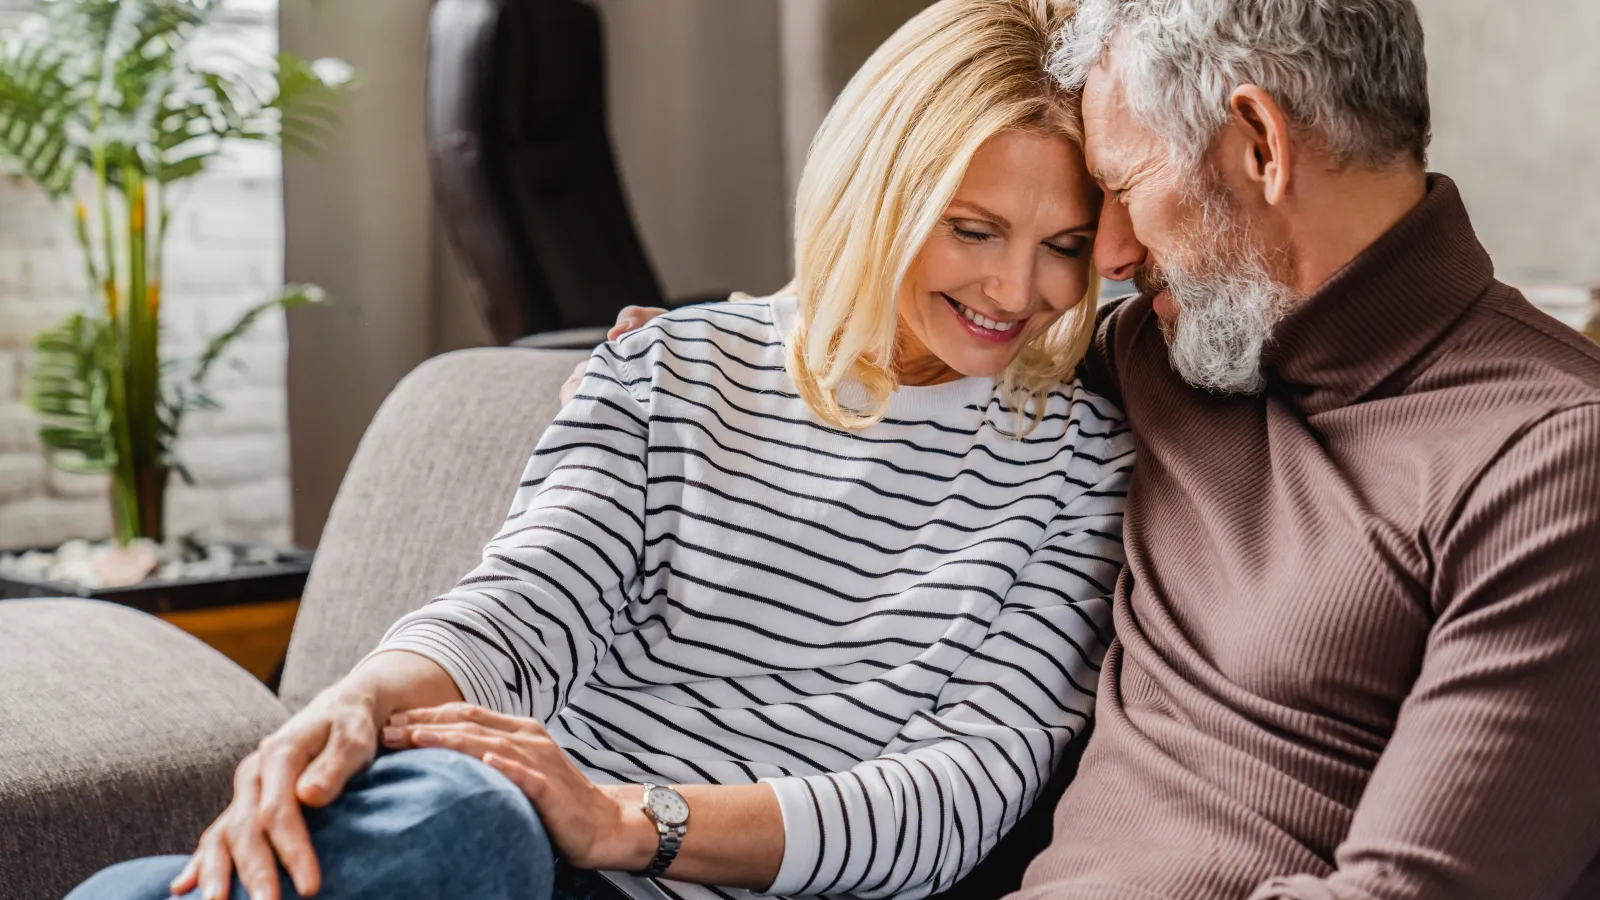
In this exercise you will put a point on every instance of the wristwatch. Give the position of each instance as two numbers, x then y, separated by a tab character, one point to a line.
667	808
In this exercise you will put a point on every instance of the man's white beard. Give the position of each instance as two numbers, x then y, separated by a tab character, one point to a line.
1228	302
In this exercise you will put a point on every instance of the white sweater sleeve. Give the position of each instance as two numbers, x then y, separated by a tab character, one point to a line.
534	618
921	815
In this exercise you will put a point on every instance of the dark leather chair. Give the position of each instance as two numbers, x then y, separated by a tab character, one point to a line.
523	170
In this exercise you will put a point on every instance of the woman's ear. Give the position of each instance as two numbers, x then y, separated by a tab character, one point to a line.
1266	138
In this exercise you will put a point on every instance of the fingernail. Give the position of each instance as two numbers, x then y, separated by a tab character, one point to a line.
393	734
425	737
399	719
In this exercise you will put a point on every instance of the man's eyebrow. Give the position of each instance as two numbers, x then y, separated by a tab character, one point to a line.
1000	220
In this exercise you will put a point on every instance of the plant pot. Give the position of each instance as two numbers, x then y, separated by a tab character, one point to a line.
252	583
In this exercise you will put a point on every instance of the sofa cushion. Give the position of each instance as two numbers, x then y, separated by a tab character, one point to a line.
118	738
429	485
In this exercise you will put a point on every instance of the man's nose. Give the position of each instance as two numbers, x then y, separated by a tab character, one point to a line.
1117	252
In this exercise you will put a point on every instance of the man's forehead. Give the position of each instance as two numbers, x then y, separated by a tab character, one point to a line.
1113	141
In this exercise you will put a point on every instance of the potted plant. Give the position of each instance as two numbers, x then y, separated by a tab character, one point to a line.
107	106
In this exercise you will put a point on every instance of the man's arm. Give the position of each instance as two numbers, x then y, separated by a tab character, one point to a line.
1490	787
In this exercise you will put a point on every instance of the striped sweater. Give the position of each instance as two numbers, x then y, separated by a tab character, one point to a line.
899	628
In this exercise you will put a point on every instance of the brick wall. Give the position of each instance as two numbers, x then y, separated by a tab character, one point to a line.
225	252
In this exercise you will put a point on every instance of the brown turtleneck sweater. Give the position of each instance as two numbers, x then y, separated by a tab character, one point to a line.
1358	648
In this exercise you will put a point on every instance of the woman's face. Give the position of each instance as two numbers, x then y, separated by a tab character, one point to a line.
1007	259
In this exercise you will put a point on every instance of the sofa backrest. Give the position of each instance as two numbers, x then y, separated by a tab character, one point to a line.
429	485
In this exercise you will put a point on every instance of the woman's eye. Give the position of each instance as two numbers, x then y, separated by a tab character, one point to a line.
976	237
1072	252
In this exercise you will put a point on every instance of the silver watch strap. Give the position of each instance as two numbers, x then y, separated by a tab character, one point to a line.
671	841
666	851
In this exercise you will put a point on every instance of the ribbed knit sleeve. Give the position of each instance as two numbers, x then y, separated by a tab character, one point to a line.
533	619
1487	790
917	818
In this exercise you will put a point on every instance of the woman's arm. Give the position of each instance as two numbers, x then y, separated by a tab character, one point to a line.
957	777
530	623
735	836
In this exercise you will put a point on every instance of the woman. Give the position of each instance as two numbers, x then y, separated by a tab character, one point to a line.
832	564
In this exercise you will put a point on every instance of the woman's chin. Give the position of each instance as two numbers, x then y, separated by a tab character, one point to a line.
975	363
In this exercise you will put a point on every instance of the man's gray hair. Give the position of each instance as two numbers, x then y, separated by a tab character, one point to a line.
1351	72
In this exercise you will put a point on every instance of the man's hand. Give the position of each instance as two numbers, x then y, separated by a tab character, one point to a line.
307	761
595	827
630	318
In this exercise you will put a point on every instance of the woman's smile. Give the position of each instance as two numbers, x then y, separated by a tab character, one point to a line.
980	326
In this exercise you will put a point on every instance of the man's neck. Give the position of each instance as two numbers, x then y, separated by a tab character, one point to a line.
1347	212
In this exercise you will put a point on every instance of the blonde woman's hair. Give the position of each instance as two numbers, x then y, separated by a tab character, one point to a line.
883	168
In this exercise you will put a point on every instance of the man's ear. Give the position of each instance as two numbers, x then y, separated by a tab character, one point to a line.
1265	128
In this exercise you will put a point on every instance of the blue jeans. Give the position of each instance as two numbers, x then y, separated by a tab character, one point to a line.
419	824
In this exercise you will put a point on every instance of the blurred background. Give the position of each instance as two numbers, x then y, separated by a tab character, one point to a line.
709	105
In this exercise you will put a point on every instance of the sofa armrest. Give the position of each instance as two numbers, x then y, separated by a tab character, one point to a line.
118	738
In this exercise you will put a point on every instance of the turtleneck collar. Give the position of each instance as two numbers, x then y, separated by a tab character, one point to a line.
1384	308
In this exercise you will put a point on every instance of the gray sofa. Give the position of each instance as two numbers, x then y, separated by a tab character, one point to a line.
119	733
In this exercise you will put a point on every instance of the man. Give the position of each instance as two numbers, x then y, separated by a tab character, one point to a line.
1358	646
1359	631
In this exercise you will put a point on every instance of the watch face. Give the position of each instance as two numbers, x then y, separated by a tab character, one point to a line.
667	806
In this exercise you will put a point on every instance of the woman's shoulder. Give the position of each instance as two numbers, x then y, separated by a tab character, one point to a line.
1088	421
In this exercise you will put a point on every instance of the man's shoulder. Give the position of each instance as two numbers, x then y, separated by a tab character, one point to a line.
1503	373
1513	357
743	334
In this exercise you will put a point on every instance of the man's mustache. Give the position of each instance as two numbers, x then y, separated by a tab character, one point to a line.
1149	280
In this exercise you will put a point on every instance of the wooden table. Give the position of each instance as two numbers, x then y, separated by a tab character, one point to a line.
254	635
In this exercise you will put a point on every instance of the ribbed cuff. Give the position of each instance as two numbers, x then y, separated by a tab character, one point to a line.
802	838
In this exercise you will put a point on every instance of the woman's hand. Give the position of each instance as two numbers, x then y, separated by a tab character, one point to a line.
595	827
307	762
628	319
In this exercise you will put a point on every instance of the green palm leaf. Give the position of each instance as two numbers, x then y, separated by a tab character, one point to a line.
69	389
37	104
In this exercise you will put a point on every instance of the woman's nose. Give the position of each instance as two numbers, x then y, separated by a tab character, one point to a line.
1012	288
1117	251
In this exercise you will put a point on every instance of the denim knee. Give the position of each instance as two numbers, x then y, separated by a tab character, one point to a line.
421	824
137	879
428	783
460	823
